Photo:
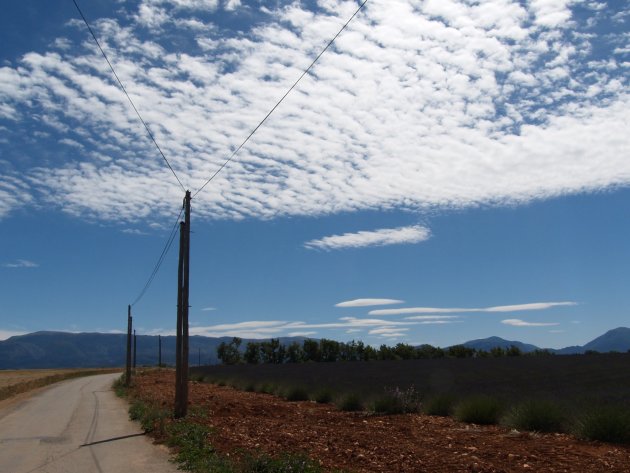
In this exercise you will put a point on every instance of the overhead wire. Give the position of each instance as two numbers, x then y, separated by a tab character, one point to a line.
173	233
167	247
306	71
127	95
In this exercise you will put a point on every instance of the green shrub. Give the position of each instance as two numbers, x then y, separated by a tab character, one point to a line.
397	401
350	403
297	394
268	388
388	404
439	405
323	396
606	424
479	410
537	415
250	387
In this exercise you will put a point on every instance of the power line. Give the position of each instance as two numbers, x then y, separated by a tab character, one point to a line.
128	97
160	260
282	99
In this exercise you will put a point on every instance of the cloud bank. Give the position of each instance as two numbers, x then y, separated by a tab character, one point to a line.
419	105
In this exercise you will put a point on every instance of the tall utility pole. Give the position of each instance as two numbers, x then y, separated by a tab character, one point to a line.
134	350
181	344
128	371
159	351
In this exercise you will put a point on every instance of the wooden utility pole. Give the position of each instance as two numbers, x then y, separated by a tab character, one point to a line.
128	371
181	344
159	351
134	350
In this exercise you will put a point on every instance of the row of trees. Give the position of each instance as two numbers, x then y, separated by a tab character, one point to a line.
324	350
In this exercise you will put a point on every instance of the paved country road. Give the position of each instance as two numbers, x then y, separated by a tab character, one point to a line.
77	426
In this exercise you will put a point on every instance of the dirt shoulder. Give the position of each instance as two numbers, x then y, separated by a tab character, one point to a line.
369	443
18	382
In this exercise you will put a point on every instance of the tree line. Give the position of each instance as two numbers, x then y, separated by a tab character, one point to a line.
325	350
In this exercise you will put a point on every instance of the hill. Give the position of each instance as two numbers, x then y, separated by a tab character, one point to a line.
614	340
82	350
486	344
86	350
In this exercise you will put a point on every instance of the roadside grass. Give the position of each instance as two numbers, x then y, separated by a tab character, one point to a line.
484	410
537	415
11	390
190	439
119	386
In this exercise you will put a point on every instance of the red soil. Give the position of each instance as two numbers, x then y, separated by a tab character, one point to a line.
360	442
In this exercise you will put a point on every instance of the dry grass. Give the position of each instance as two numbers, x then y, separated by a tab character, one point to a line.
13	382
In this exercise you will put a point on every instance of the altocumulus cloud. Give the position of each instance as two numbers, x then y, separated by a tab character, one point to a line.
419	105
381	237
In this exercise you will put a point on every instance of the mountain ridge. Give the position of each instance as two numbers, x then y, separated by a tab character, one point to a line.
48	349
617	339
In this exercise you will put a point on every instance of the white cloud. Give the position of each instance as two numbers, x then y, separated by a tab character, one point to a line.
231	5
279	328
501	107
551	13
14	191
532	306
207	309
381	237
396	332
133	231
433	317
461	310
20	263
301	334
368	302
522	323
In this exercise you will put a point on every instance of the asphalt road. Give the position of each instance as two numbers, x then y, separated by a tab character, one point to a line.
77	426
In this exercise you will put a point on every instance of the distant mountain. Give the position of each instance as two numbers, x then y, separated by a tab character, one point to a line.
82	350
487	344
614	340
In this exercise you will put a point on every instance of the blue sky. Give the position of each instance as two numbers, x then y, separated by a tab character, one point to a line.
448	171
